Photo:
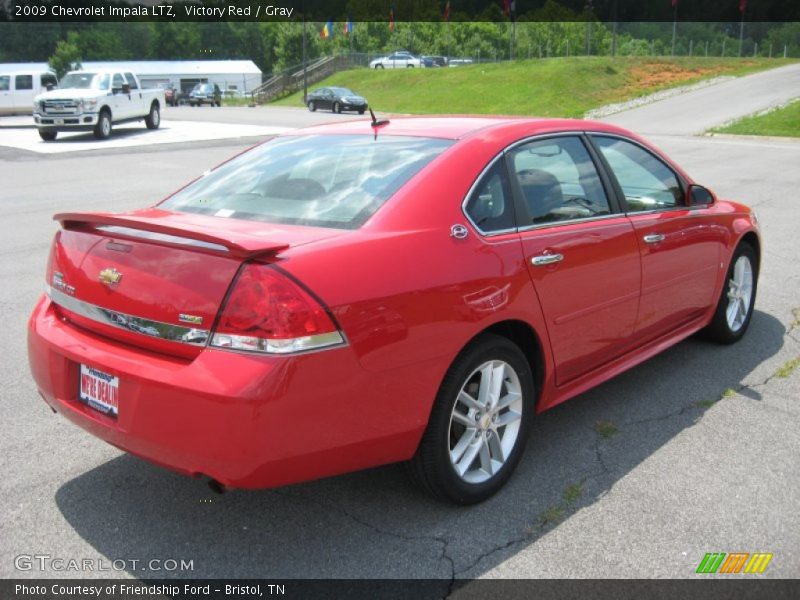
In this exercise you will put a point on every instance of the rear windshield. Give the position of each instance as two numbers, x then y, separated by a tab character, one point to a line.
335	181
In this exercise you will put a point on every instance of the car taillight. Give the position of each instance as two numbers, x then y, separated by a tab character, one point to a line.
268	312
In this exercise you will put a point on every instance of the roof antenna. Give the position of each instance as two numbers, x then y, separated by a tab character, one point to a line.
375	123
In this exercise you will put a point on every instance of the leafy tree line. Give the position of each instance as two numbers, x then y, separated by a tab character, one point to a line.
277	45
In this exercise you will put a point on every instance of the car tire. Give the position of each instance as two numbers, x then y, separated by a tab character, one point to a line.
464	429
361	111
311	106
378	66
102	130
48	136
737	298
409	66
337	108
153	118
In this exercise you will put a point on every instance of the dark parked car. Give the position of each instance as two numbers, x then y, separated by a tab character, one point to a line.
336	99
434	61
205	93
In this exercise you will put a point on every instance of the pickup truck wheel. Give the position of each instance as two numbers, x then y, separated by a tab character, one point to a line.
47	136
153	120
103	128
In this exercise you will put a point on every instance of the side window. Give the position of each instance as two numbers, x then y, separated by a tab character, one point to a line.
490	206
646	182
558	181
23	82
131	81
104	81
118	81
48	79
5	81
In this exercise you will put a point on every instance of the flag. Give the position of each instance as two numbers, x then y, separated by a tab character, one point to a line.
742	5
348	26
674	3
391	18
327	30
506	7
446	14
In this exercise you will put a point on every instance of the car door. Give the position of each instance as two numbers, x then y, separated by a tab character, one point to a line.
137	105
328	95
680	249
23	92
5	94
580	251
122	102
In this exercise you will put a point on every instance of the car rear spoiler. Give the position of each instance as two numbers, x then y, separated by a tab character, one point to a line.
172	229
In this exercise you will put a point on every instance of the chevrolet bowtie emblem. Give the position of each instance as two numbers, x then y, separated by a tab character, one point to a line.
110	276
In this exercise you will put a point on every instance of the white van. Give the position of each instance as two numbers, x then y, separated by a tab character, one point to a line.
20	83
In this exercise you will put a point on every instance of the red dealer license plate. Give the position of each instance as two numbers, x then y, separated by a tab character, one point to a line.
99	390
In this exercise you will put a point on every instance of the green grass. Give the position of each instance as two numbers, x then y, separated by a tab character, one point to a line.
552	515
572	493
788	368
782	122
552	87
606	429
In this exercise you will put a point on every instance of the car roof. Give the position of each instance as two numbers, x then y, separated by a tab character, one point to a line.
459	126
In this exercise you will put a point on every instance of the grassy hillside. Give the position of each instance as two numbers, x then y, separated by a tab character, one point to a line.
550	87
782	122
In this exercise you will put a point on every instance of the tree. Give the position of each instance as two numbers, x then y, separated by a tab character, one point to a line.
67	55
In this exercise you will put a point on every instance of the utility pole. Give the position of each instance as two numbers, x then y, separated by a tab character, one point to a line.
674	23
305	65
614	29
741	34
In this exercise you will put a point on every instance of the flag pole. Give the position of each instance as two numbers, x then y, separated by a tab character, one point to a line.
674	23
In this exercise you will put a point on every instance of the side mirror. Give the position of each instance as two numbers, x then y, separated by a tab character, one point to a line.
126	88
50	87
700	196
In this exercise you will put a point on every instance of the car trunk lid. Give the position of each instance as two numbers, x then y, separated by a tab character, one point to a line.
156	279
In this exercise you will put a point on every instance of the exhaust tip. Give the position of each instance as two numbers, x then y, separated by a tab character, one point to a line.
216	486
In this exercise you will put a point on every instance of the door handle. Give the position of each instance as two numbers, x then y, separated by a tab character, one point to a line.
653	238
546	259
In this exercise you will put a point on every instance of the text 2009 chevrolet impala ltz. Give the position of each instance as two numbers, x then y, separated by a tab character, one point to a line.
351	295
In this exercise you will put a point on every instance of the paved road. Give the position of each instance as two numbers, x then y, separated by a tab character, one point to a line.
684	474
697	111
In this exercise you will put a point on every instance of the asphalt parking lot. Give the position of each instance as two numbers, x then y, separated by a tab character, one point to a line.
694	451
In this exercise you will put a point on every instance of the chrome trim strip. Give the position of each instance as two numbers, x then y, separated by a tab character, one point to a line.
570	221
256	345
532	138
159	237
157	329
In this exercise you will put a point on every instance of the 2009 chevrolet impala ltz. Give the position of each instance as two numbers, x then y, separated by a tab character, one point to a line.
363	293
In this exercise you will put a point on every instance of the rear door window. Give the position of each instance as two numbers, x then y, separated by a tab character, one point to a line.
558	181
23	82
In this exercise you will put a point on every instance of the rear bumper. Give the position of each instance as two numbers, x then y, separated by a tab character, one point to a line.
247	421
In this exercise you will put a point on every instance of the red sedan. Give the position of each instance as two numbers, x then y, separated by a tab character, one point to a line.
351	295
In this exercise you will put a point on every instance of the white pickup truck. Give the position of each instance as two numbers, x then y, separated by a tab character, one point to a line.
93	101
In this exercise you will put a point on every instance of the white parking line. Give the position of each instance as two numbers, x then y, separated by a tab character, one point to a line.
133	135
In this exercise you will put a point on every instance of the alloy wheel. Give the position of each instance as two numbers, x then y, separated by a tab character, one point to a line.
485	421
740	292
